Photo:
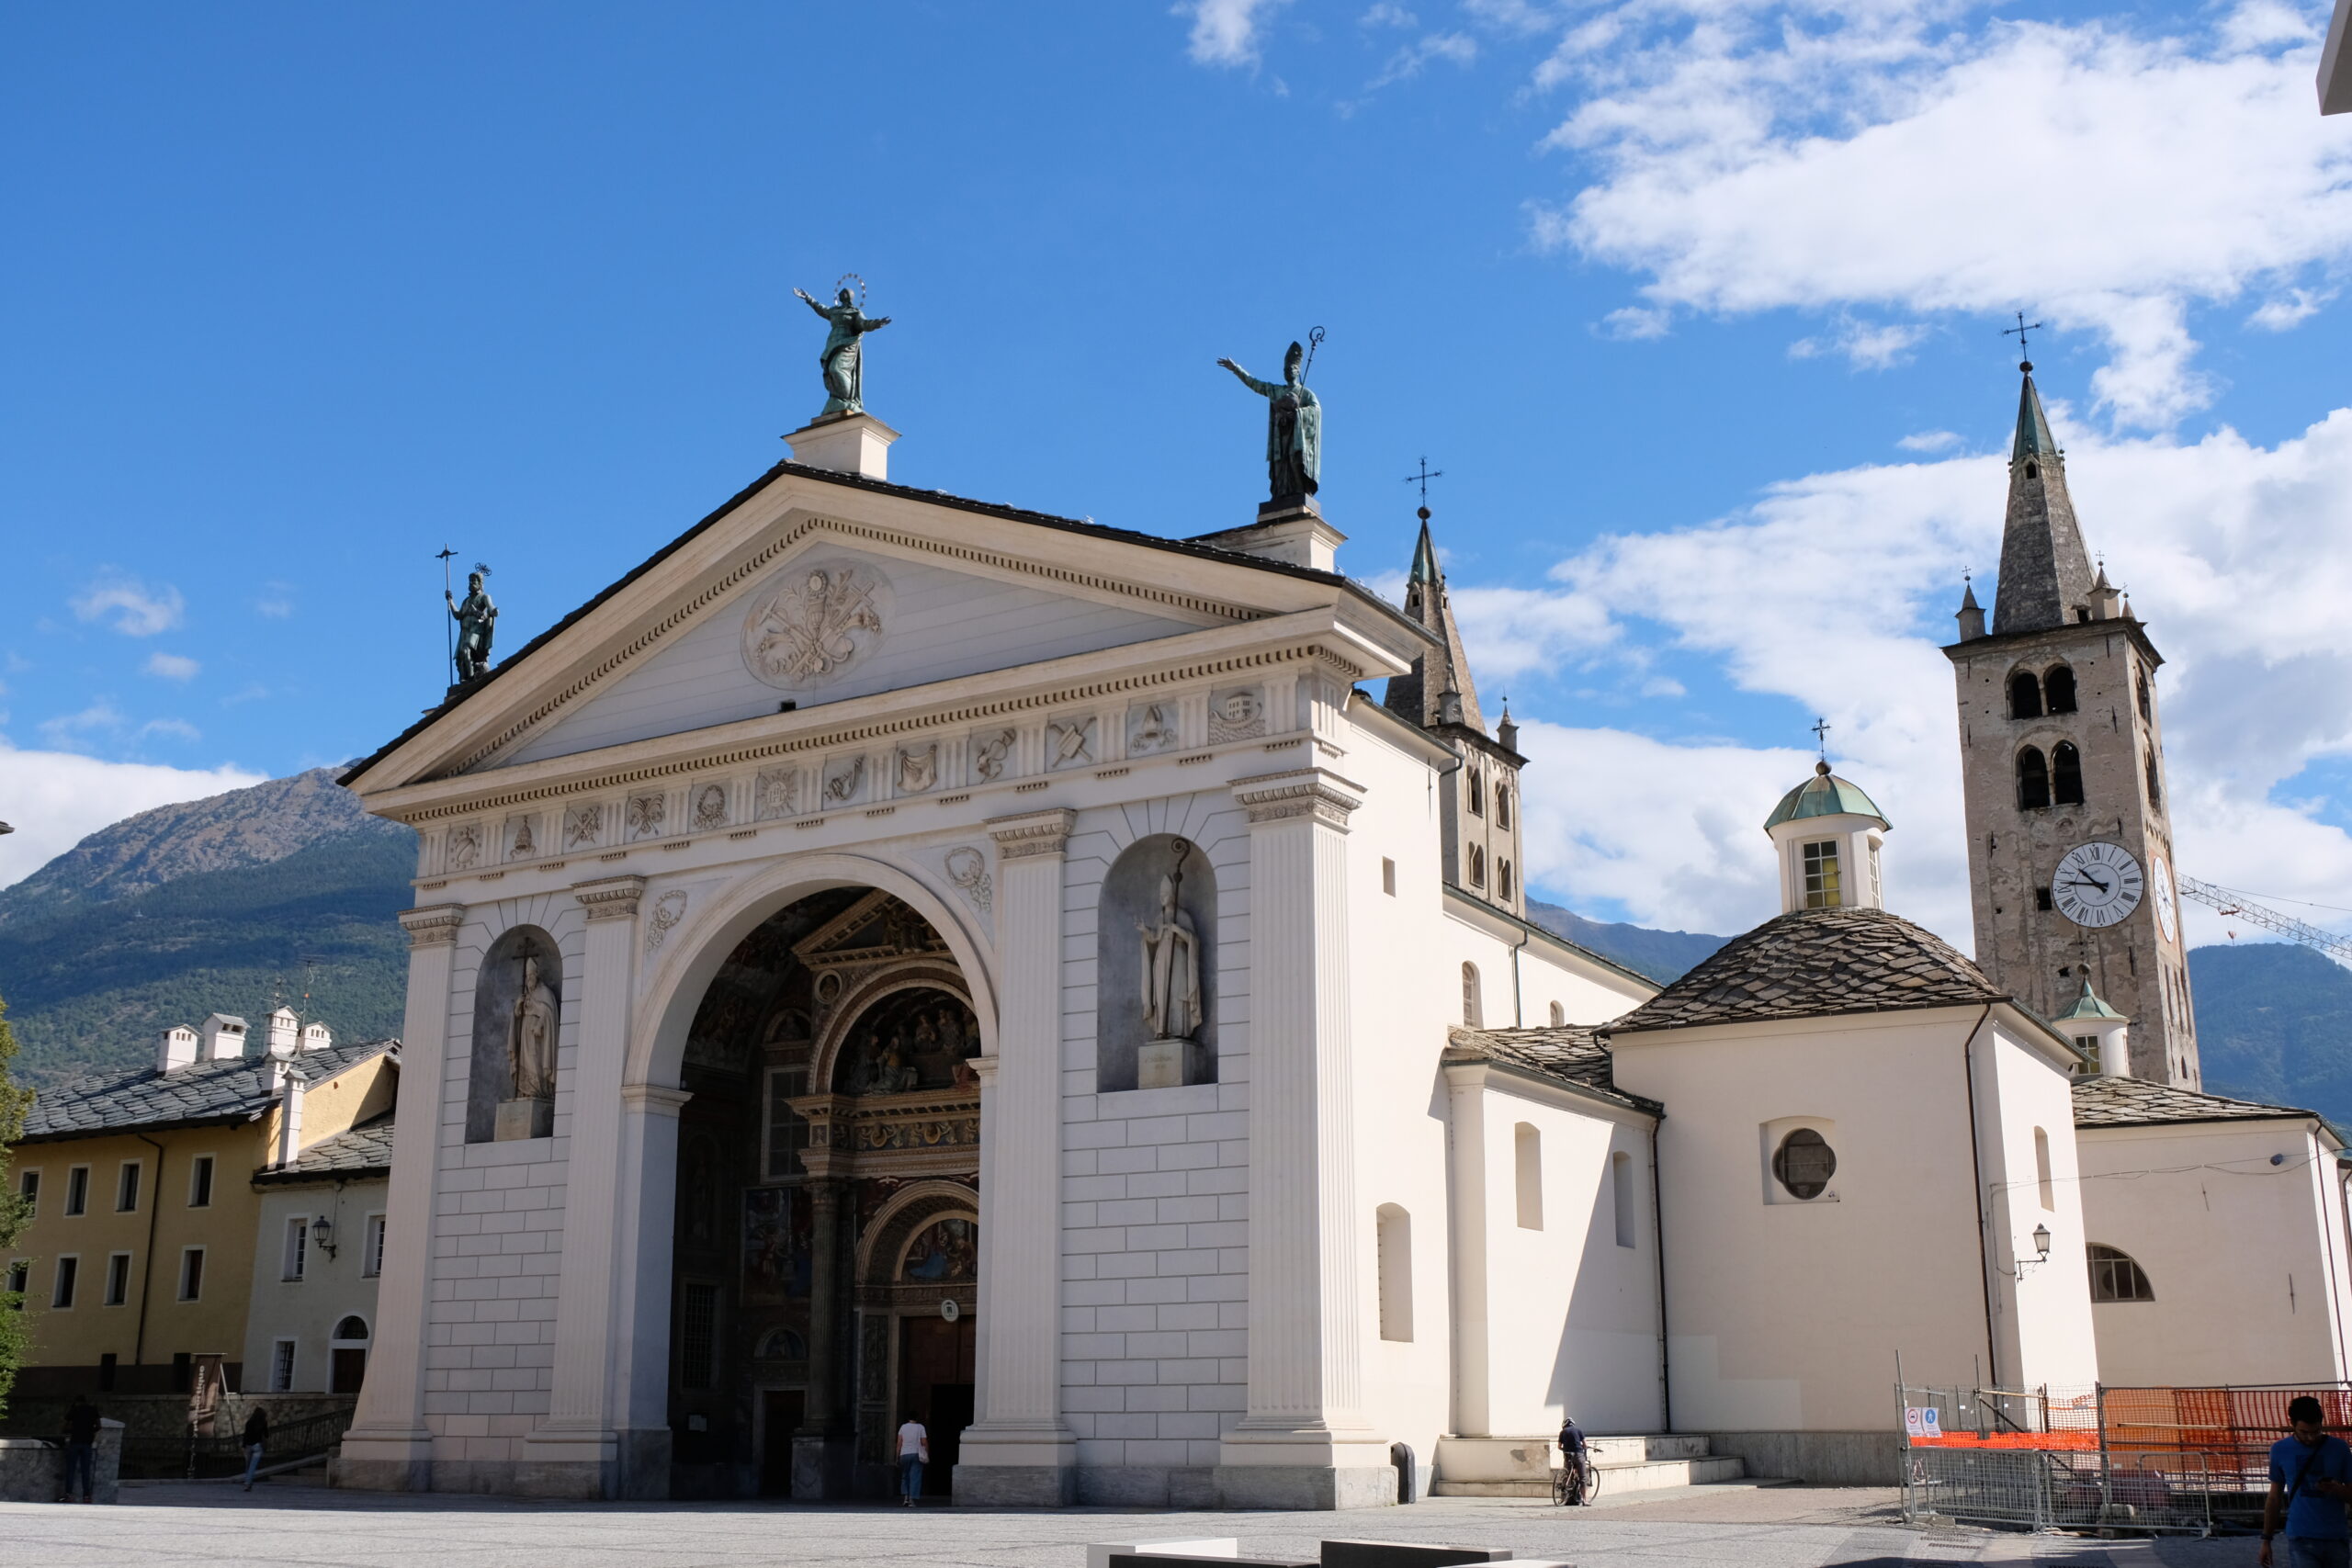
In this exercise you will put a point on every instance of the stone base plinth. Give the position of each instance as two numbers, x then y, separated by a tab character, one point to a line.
823	1466
1167	1063
1306	1487
846	444
1015	1485
523	1119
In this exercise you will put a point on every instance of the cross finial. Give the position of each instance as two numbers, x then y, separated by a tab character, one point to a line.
2024	360
1423	478
1821	728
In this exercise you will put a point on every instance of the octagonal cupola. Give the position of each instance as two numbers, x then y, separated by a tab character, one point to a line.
1829	835
2099	1032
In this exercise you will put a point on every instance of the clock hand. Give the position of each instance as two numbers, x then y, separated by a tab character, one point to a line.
2081	881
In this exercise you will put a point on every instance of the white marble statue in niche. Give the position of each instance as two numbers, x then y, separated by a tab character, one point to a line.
1236	714
1171	962
528	1110
1151	728
821	621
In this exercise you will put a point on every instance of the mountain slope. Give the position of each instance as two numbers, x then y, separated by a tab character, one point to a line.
205	908
2274	1023
1664	956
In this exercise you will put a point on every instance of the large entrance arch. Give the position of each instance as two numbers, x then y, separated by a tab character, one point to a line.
824	1265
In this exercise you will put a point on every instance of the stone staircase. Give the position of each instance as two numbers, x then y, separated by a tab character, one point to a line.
1523	1467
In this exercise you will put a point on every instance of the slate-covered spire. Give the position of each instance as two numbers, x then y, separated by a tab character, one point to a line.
2046	571
1423	696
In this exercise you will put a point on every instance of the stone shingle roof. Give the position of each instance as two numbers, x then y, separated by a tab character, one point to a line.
1816	963
2135	1102
237	1089
364	1150
1574	1055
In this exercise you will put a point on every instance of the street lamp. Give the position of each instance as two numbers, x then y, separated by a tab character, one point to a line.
2040	1253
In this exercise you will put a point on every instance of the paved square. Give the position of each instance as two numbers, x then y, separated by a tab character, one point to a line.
161	1525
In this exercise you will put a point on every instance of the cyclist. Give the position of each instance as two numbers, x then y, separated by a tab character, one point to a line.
1575	1463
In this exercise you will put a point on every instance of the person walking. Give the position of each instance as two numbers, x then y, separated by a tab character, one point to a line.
81	1446
914	1452
256	1438
2311	1477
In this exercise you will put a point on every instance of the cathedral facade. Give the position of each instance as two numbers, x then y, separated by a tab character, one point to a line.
896	955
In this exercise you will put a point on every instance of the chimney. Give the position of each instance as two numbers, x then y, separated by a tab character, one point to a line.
223	1038
317	1037
176	1050
289	1116
285	1032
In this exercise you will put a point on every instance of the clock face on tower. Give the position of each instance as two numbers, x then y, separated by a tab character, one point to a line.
2098	884
2160	875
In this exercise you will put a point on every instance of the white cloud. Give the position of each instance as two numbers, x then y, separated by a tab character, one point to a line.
54	799
177	729
2257	686
172	666
1868	345
1912	155
1458	49
1930	441
101	717
1388	14
1636	322
2290	309
137	609
1225	32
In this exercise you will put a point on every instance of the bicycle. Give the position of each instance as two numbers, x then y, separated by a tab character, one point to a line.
1575	1484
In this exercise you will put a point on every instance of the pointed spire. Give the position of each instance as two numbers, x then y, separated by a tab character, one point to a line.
2046	571
1444	695
1971	616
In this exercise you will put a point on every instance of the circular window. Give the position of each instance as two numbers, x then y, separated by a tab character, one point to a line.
1805	1162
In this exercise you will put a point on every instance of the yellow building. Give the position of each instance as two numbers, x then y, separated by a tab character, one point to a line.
140	1257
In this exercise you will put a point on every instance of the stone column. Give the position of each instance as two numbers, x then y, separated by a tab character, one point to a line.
1018	1452
388	1447
1466	1088
641	1335
824	1449
1302	1443
575	1453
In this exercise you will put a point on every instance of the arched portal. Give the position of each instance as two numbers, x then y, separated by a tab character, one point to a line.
828	1066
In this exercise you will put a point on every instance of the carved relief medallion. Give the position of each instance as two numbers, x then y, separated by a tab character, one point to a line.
667	911
814	622
1069	742
582	820
918	768
1238	714
710	807
991	754
776	793
522	837
465	846
648	815
844	780
967	868
1152	727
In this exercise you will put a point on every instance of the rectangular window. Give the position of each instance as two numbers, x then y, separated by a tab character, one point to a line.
2042	899
281	1366
118	1278
28	1189
297	1249
20	1275
787	1130
77	1190
697	1334
1821	890
1388	876
199	1183
69	1273
125	1187
105	1372
1527	1148
191	1273
371	1247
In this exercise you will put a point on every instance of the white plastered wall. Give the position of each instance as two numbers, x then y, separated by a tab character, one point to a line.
2246	1259
332	1287
2040	1307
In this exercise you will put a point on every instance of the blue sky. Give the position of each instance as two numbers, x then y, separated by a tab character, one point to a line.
296	296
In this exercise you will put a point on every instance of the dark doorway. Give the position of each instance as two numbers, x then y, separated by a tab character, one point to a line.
781	1411
349	1368
935	1377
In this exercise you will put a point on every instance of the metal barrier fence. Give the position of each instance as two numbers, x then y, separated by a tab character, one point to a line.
203	1455
2131	1459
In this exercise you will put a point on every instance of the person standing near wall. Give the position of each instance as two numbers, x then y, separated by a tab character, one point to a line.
2311	1477
256	1439
914	1452
81	1446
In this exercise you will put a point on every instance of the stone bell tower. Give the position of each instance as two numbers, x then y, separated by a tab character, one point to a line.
1479	814
2070	850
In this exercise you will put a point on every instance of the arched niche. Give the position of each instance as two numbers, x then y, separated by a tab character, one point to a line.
911	1027
1130	902
498	989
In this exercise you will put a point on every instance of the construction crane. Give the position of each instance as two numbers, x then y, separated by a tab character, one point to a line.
2237	906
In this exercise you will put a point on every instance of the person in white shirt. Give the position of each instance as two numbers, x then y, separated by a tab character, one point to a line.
914	1452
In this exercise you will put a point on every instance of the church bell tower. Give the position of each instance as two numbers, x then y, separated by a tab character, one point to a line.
2069	843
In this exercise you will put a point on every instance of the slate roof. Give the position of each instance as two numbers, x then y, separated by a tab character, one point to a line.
1816	963
2136	1102
364	1150
1573	1055
1196	547
206	1092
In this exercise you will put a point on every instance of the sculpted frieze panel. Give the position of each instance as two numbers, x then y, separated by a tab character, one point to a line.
815	622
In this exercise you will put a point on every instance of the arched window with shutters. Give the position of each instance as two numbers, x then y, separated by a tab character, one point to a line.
2058	691
1478	792
1474	1011
1502	805
2115	1277
1478	866
2066	774
2025	695
1502	878
2147	707
2033	780
2155	786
